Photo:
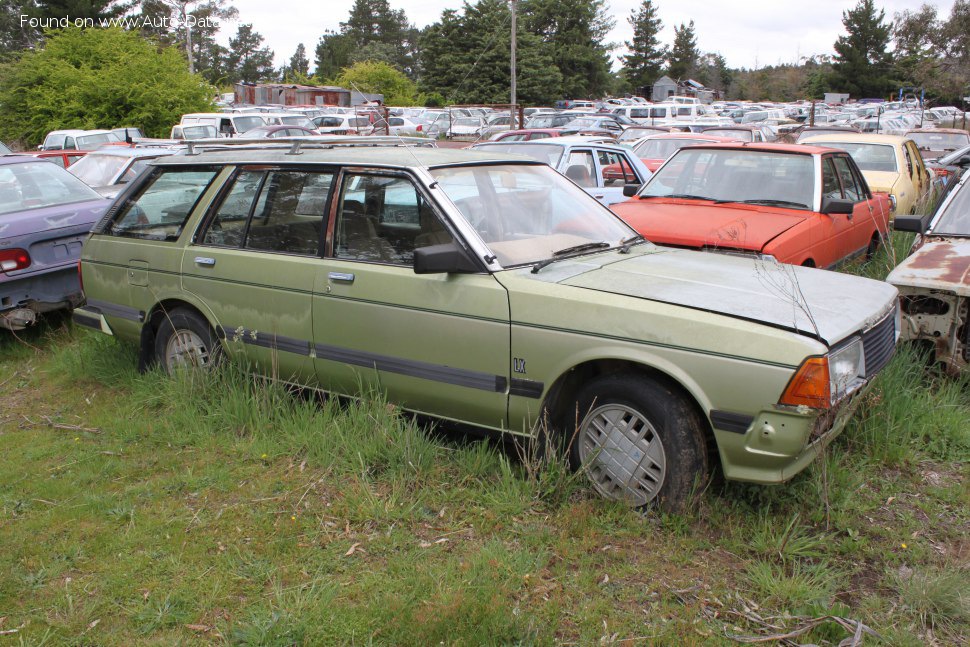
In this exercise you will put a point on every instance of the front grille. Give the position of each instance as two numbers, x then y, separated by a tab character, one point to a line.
879	343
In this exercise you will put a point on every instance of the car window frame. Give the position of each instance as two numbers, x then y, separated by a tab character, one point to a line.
198	236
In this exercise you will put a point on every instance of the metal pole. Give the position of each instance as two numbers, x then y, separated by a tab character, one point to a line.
512	111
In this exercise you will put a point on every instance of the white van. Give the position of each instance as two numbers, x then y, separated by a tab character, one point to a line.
228	124
664	113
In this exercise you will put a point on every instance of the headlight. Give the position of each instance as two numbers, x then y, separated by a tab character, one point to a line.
847	369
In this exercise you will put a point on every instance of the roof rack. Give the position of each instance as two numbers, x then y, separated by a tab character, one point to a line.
297	145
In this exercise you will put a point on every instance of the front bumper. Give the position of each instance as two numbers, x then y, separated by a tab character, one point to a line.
782	441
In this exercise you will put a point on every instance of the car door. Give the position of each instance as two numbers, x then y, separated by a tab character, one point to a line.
918	172
851	234
614	170
254	261
435	343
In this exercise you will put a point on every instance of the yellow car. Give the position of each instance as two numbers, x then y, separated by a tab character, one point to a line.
889	163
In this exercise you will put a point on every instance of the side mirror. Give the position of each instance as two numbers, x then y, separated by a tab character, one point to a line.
837	205
444	259
630	190
912	223
964	161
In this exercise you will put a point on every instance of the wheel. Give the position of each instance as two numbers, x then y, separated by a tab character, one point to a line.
185	340
639	441
873	246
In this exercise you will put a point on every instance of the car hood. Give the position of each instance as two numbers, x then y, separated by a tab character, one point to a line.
692	223
940	264
828	306
64	216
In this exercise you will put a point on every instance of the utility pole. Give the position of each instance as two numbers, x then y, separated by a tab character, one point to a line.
514	103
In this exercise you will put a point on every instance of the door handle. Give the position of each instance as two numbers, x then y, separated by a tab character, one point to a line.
205	261
343	277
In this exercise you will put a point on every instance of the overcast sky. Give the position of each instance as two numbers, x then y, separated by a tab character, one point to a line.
747	33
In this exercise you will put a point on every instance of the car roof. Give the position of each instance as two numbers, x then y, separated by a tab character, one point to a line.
400	156
119	151
860	138
562	142
771	147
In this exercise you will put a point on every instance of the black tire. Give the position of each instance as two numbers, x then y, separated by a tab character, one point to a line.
203	350
873	247
669	431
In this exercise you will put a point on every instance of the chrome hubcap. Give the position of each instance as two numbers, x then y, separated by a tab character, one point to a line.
186	349
622	454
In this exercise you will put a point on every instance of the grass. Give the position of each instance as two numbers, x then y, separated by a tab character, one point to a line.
138	509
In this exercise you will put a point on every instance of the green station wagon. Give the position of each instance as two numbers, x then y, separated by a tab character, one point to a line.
494	292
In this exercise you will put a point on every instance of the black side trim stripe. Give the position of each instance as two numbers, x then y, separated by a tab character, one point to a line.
737	423
526	388
265	340
115	310
411	368
86	321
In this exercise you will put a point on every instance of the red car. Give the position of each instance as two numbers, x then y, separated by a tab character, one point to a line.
804	205
62	158
654	150
526	134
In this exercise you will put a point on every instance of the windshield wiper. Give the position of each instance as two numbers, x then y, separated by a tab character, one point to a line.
567	252
683	196
774	203
627	243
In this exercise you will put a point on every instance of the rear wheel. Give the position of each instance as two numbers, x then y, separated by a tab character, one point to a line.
639	441
185	340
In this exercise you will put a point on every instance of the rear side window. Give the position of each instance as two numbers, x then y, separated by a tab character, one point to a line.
160	209
274	211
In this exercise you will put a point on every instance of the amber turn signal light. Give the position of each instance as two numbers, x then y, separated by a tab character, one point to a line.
809	386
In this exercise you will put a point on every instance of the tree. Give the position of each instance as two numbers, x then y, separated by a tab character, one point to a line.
682	59
191	25
97	78
297	70
380	78
246	61
331	55
14	35
573	32
642	66
862	62
465	57
378	32
713	72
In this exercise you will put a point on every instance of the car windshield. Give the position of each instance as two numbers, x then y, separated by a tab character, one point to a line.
93	141
3	149
98	169
583	123
940	141
33	185
296	120
247	123
546	121
746	135
528	213
653	149
199	132
954	157
736	175
868	157
546	153
955	219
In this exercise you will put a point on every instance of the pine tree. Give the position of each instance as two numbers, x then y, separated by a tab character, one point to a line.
573	32
682	60
247	61
298	68
642	66
862	62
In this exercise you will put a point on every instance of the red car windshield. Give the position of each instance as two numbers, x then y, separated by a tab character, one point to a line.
732	175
